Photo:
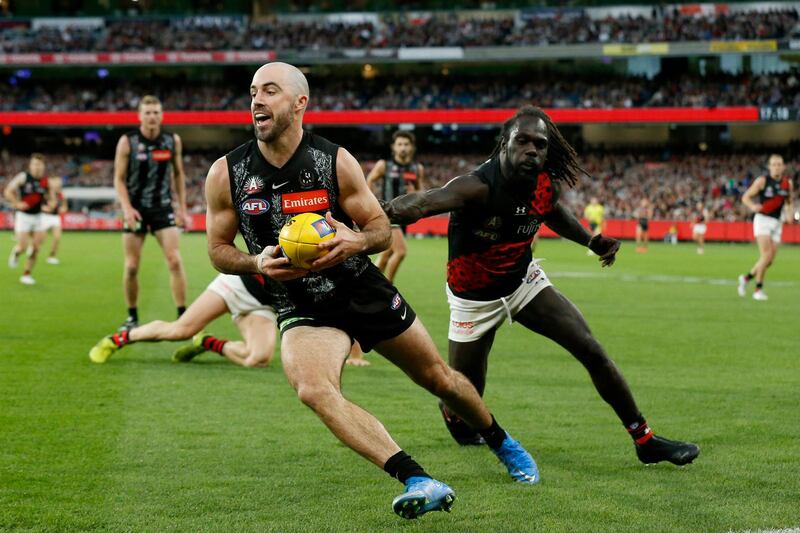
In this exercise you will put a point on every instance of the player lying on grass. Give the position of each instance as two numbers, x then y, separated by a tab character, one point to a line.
492	276
246	298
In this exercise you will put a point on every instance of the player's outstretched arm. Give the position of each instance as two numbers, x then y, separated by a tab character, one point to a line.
563	222
455	194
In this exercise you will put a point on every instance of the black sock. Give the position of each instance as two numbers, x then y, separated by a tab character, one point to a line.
759	285
402	467
133	313
749	276
494	435
181	310
639	431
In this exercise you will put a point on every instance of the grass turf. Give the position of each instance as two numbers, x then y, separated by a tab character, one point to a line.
141	444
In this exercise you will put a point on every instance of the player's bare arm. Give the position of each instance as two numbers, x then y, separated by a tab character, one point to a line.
790	204
222	223
422	184
748	198
179	180
121	155
563	222
377	172
53	186
363	208
455	194
11	192
63	205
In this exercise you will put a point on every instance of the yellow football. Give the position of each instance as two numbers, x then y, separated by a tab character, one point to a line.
300	236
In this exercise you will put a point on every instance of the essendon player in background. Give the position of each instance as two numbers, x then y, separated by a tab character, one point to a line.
51	217
774	192
401	175
491	274
146	164
699	227
28	192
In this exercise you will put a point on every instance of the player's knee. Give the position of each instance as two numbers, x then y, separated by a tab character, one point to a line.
131	268
174	262
317	396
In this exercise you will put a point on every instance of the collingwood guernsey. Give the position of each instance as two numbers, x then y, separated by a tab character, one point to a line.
265	197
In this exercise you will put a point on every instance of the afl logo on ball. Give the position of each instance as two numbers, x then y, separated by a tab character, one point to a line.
255	206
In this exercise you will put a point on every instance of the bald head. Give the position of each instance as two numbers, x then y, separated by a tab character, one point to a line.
286	76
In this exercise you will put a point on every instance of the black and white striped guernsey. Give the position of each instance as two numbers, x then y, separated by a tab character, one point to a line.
149	176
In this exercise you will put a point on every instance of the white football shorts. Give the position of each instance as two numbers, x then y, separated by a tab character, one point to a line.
471	319
50	221
769	226
26	222
238	299
699	229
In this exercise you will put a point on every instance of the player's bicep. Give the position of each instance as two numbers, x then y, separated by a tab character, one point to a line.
355	197
754	188
121	155
177	158
221	219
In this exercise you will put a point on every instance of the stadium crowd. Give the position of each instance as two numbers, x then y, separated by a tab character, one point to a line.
618	180
547	90
398	30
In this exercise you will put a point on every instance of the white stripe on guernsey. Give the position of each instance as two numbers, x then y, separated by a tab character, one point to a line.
660	278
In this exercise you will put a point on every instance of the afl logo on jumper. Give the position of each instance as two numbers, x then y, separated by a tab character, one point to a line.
253	185
306	179
162	155
255	206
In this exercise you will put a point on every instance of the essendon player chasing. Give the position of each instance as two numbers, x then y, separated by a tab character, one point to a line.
343	297
400	175
699	227
491	274
28	192
146	163
774	191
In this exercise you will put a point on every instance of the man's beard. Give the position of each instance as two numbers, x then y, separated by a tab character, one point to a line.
279	125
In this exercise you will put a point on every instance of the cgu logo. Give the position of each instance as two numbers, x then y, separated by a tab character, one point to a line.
255	207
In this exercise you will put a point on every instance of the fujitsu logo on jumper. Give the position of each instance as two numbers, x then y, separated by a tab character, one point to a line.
304	202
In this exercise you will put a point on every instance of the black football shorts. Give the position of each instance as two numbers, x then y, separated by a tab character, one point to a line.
153	219
369	309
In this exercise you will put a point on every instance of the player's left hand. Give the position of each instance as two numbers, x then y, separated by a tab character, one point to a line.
606	248
347	243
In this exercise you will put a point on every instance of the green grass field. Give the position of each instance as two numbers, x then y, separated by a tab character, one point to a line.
141	444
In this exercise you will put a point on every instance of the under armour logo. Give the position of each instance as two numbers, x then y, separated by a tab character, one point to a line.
521	210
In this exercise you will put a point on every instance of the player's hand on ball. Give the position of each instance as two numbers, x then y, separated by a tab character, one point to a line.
273	264
347	243
606	248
